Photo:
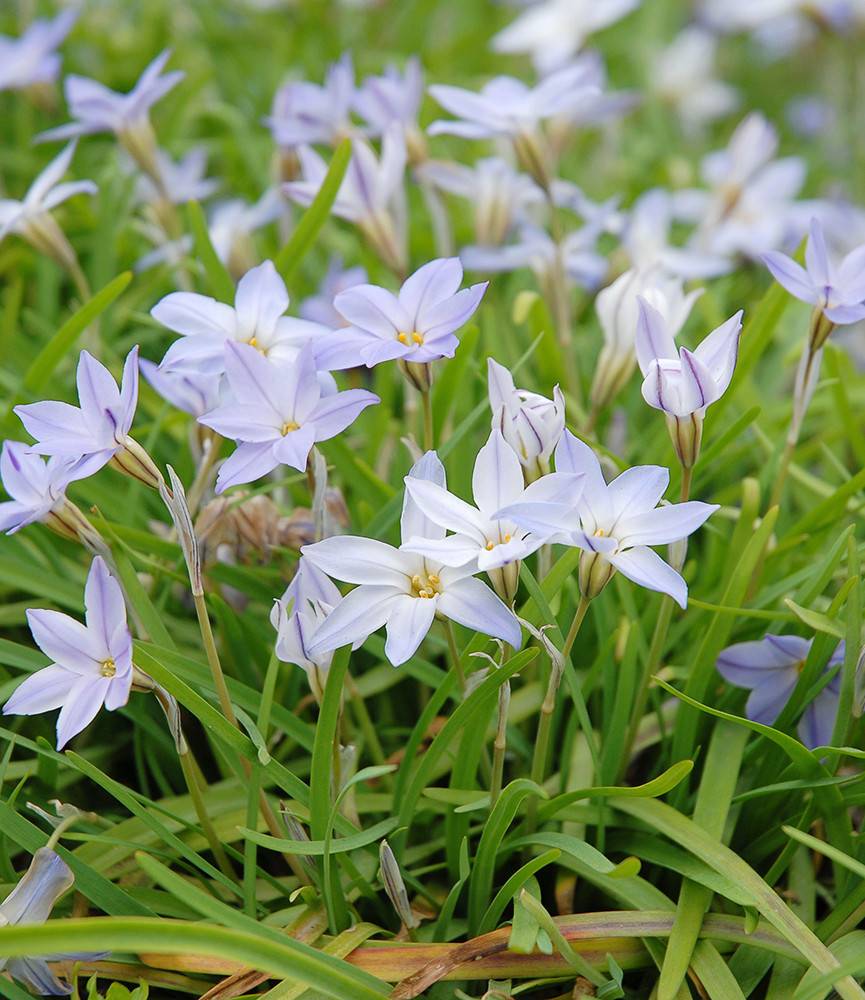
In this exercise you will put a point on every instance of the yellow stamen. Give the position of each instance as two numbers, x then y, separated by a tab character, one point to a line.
289	426
108	668
253	342
433	579
490	546
402	338
417	337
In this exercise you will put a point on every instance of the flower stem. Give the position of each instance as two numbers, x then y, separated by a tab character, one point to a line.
202	476
455	656
428	427
364	720
192	776
545	721
213	659
500	744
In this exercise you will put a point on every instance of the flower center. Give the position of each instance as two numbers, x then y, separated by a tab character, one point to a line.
410	338
600	533
288	427
108	668
425	586
253	342
491	545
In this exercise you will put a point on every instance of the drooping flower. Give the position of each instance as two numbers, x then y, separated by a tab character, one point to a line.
530	423
615	524
553	31
417	325
368	195
31	217
277	413
38	489
770	669
257	318
835	290
319	308
305	113
32	58
498	196
98	427
306	603
31	902
683	77
394	98
402	590
495	545
96	109
617	309
683	383
91	664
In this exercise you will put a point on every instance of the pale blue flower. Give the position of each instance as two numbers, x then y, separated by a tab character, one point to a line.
838	290
418	324
615	523
32	57
770	669
277	413
91	664
306	113
99	426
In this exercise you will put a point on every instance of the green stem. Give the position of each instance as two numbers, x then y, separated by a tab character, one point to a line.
500	744
213	659
428	427
192	776
455	656
545	720
364	721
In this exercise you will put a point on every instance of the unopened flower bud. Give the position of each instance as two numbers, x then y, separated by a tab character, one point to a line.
506	581
418	374
686	433
594	574
132	460
394	886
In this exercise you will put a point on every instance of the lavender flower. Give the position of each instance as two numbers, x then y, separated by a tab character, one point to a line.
617	309
417	326
368	194
91	664
770	669
319	308
530	423
31	218
305	113
306	603
278	413
684	383
38	489
31	902
496	546
32	59
499	197
402	590
99	427
193	393
836	291
207	326
508	107
98	109
393	100
183	180
614	524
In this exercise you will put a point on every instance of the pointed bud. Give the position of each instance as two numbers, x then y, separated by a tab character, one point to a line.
394	886
686	433
594	574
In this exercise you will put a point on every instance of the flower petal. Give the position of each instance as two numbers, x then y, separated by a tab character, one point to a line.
333	414
355	559
247	463
260	300
497	478
409	620
81	707
373	310
663	524
356	617
65	640
470	602
446	510
428	286
791	276
653	341
194	315
645	567
105	607
42	691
